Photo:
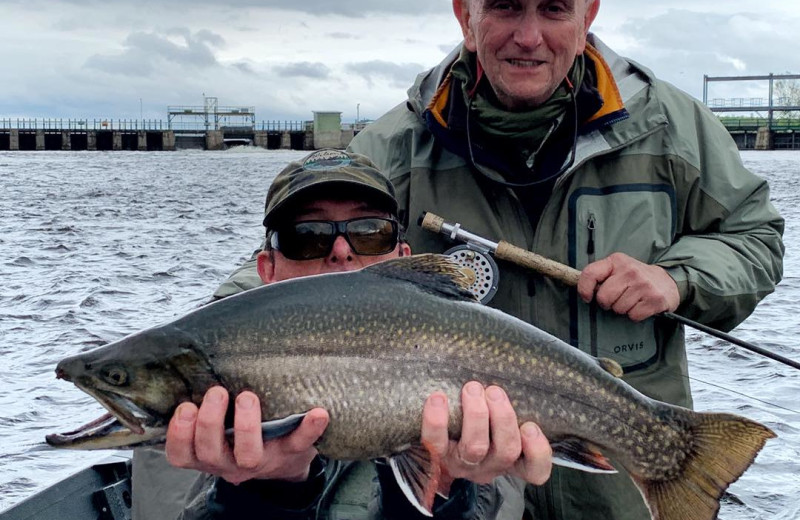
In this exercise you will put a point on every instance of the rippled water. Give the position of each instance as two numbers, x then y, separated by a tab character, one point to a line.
94	246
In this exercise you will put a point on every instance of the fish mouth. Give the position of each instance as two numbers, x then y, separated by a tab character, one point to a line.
125	425
100	427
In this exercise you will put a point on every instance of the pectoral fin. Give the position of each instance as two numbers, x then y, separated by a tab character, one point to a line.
280	427
577	454
417	471
277	427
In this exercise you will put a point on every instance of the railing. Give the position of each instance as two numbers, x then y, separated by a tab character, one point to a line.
53	124
82	124
356	127
219	111
286	126
749	103
750	123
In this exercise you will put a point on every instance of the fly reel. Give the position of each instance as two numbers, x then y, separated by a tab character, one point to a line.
482	266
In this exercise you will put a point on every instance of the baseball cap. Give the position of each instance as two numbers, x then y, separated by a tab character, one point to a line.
326	170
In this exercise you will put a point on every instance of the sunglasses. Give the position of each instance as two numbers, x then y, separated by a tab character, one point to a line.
314	238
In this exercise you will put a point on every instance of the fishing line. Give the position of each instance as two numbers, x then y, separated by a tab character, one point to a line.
742	394
720	387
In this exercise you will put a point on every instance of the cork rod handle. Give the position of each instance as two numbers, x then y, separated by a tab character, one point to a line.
504	250
549	268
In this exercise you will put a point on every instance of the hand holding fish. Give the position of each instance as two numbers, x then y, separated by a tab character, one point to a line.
491	444
196	440
630	287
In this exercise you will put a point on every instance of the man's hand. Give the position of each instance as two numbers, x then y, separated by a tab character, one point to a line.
492	442
196	440
627	286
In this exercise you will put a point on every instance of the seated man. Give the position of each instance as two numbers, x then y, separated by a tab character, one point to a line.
335	212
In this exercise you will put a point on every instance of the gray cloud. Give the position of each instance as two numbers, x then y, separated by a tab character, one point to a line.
303	70
682	30
359	8
100	58
244	68
350	8
683	45
400	75
144	51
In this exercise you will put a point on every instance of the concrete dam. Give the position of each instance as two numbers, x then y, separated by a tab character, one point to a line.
214	132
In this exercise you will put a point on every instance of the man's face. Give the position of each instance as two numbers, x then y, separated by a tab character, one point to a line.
526	47
274	267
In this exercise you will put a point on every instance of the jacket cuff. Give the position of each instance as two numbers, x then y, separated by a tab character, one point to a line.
678	274
460	505
272	498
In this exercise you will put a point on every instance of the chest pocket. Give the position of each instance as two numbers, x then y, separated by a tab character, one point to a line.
638	220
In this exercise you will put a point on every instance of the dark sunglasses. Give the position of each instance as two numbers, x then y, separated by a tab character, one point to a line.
315	238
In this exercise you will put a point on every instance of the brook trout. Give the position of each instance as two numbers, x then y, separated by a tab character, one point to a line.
370	346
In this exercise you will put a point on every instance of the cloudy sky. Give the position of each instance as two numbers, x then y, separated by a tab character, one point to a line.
126	58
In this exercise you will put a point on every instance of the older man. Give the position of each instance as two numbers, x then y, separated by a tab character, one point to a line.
335	212
536	133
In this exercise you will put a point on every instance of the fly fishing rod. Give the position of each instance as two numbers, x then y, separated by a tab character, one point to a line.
565	274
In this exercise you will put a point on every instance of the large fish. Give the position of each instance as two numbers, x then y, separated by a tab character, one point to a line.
369	346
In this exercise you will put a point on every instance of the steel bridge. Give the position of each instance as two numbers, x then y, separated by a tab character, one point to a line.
761	133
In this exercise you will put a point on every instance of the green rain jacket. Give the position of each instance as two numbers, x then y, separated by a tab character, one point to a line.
658	179
348	491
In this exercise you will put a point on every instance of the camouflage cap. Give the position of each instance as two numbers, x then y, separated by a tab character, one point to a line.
325	170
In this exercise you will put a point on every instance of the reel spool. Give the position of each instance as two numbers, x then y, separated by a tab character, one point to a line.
482	265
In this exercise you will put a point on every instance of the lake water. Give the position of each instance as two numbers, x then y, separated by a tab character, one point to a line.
94	246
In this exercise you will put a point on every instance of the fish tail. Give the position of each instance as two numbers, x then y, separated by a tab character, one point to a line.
722	447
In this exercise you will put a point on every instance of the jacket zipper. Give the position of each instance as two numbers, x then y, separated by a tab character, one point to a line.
591	226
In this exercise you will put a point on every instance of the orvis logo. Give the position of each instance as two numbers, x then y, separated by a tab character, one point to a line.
628	347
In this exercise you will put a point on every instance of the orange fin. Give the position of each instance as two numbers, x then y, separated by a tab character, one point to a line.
575	453
723	446
443	474
417	471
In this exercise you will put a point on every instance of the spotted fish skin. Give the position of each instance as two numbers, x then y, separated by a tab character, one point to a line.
370	346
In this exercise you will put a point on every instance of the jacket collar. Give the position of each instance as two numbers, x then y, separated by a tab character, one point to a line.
437	103
633	86
637	88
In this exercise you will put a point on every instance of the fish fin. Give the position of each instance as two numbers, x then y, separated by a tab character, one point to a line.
280	427
723	446
417	471
435	273
578	454
443	474
611	366
277	427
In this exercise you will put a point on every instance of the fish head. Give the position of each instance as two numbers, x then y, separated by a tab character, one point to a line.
140	380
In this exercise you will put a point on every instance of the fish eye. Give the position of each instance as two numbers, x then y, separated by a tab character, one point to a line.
115	376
